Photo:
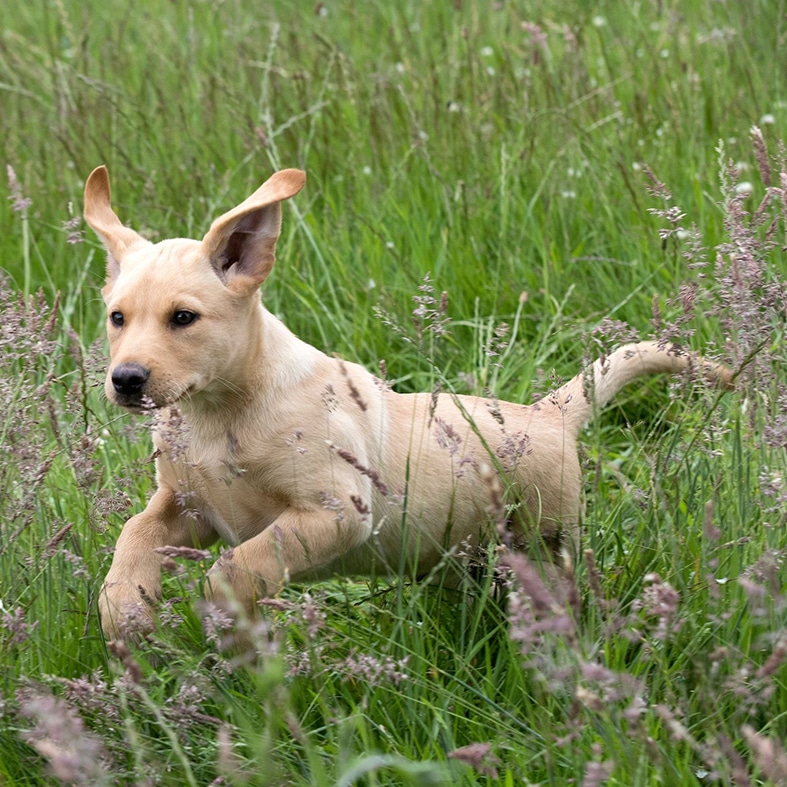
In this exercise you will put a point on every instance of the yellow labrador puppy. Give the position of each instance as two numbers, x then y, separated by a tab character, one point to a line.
305	464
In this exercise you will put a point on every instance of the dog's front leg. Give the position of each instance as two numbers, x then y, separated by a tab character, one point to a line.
134	579
298	544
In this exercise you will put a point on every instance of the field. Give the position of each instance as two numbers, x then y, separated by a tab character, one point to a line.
571	175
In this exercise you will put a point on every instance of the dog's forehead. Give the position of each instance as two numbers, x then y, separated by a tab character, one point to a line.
174	252
166	267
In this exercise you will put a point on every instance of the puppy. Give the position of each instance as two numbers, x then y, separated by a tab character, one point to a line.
305	464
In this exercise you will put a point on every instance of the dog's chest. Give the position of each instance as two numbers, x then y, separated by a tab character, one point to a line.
221	486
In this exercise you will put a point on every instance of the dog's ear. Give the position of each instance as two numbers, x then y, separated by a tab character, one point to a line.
241	244
99	215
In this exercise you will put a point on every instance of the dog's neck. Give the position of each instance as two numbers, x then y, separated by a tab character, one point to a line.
272	362
283	360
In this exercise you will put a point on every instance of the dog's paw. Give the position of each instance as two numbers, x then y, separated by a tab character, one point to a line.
233	587
126	610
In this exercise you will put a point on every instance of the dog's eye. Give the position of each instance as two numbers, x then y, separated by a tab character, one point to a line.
183	317
116	318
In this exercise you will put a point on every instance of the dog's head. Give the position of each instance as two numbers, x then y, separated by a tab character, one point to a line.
179	312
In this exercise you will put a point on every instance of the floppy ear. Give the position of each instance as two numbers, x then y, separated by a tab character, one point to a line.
99	215
241	244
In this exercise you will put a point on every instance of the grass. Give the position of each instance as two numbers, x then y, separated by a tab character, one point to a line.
504	154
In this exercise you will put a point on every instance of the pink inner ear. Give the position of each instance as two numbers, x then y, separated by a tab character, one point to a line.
113	268
248	248
242	242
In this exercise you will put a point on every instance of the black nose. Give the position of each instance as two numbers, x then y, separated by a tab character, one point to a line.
129	378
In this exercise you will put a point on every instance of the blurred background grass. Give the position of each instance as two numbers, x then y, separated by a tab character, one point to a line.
499	153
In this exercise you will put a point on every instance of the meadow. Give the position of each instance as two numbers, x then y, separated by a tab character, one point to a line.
564	175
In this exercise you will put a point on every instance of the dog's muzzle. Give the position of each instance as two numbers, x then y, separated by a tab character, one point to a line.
129	380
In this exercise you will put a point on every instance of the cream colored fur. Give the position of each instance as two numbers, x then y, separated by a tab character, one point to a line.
306	464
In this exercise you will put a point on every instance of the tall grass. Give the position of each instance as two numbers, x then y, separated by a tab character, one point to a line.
563	170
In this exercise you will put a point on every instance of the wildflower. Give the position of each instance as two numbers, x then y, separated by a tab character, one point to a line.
171	426
612	687
373	670
14	623
78	567
75	235
477	756
774	661
228	762
294	439
661	600
186	553
360	506
512	448
75	756
92	696
183	708
739	771
498	342
468	380
50	548
279	604
493	406
354	392
446	436
216	621
167	615
569	36
770	756
656	187
535	611
677	730
610	333
19	203
329	398
761	154
313	616
597	771
536	33
369	472
430	315
709	530
496	509
331	503
119	649
594	577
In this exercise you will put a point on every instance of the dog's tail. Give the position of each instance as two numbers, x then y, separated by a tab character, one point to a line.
583	396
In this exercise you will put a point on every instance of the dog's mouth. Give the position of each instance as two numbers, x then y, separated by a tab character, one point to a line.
135	406
135	403
145	403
